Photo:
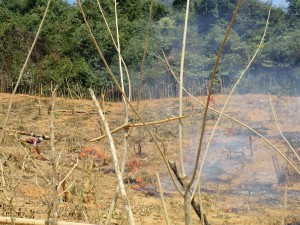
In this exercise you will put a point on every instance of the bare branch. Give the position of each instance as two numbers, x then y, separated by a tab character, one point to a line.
126	126
181	90
162	199
75	165
53	160
115	159
68	188
75	111
113	40
37	184
183	183
2	174
144	56
60	153
275	118
35	165
126	134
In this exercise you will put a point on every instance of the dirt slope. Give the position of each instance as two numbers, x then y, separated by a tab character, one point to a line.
239	184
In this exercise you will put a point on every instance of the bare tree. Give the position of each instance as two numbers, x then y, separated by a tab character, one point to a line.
115	160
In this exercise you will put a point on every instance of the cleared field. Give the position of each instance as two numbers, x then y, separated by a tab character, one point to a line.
243	180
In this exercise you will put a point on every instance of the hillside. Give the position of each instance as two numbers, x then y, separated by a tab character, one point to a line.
239	184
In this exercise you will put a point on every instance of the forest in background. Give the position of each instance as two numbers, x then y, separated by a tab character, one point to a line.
64	53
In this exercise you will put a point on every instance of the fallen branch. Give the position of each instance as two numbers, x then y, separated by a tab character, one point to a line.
126	126
45	137
76	111
19	221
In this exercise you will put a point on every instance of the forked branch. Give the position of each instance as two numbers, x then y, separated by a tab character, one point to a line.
196	206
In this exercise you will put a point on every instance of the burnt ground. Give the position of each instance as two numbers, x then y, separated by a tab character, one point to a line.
243	179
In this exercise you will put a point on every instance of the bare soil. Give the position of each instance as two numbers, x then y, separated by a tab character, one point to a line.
239	184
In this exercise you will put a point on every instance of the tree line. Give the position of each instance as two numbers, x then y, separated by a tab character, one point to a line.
64	54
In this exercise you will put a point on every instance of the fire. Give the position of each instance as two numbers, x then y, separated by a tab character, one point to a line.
96	152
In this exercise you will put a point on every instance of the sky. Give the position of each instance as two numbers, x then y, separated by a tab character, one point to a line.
275	2
279	2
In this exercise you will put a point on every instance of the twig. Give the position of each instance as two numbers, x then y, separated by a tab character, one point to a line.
2	174
35	165
275	118
120	60
64	191
37	183
126	126
85	217
116	195
60	153
75	165
75	111
22	72
187	193
113	40
144	56
162	199
115	159
284	206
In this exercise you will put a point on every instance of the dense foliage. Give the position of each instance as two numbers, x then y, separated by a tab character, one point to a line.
65	55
